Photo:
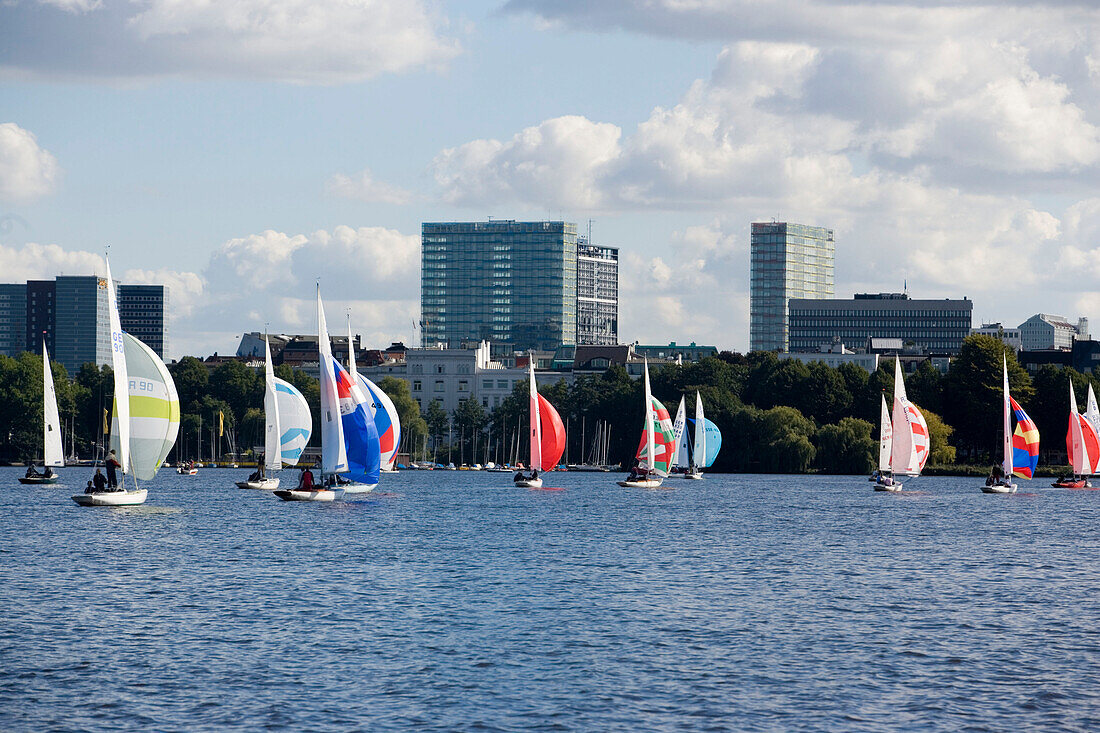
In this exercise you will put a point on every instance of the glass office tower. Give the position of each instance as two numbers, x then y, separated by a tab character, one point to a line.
508	282
81	330
141	310
597	294
788	261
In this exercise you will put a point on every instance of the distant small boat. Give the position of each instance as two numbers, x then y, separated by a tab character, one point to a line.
903	438
546	433
1020	451
52	453
1082	446
655	452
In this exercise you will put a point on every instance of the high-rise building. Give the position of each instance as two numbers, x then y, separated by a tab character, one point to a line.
72	312
508	282
81	324
141	311
937	326
788	261
597	294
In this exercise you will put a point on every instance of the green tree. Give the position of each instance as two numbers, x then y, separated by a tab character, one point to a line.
238	386
940	451
469	421
438	422
847	447
191	378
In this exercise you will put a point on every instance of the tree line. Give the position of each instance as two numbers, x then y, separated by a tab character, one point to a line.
776	415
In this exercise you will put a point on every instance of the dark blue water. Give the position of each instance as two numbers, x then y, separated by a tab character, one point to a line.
452	601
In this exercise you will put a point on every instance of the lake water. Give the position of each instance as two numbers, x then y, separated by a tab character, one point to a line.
452	601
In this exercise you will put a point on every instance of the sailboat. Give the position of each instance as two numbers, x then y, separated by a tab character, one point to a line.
1020	450
287	427
708	441
52	452
146	417
1083	447
546	432
334	456
904	444
652	461
678	464
364	450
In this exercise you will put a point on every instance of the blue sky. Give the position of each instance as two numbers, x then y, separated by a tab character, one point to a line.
238	151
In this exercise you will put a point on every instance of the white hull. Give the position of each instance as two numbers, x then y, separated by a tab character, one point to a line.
389	470
649	483
697	475
187	471
999	489
114	498
529	483
887	487
267	484
314	495
358	488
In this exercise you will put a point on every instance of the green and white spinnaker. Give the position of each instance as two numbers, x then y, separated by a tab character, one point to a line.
154	410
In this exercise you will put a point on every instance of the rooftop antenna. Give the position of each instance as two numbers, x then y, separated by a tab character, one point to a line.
590	230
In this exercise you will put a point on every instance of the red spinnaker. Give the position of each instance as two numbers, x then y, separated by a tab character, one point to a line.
553	435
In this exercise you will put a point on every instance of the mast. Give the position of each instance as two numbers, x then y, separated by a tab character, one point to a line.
536	423
649	440
273	431
121	377
1007	463
334	456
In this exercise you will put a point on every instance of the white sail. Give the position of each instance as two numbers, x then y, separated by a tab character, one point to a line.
52	453
885	437
910	447
679	436
154	408
1007	438
273	431
1091	411
1079	459
121	376
535	417
295	421
649	464
699	457
334	456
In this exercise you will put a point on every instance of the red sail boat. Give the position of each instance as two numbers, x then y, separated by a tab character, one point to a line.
546	431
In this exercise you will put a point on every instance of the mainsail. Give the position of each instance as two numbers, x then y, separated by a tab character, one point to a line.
273	457
334	456
52	453
909	451
1082	442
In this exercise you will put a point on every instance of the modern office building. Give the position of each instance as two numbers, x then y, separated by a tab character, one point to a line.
789	261
1011	336
72	312
1046	331
935	326
597	294
141	311
509	282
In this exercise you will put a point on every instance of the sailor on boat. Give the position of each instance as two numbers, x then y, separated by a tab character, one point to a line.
112	464
258	474
100	482
305	480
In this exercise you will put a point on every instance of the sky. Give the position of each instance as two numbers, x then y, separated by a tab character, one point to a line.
239	151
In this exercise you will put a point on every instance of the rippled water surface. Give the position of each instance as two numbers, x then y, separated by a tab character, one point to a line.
452	601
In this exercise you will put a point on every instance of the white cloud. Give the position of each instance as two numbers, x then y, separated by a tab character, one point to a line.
363	187
186	290
27	172
33	261
296	41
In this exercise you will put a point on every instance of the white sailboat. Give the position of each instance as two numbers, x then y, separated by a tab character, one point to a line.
908	438
334	457
1003	484
273	458
680	439
52	452
545	431
652	461
1082	446
699	454
142	441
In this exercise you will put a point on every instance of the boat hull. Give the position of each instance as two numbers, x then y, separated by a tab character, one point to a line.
1082	484
649	483
187	471
312	495
39	479
999	489
529	483
267	484
358	488
113	498
697	476
887	487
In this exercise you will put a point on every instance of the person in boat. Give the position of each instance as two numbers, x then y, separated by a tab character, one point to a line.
112	466
886	480
305	481
518	476
90	489
100	482
48	473
31	472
